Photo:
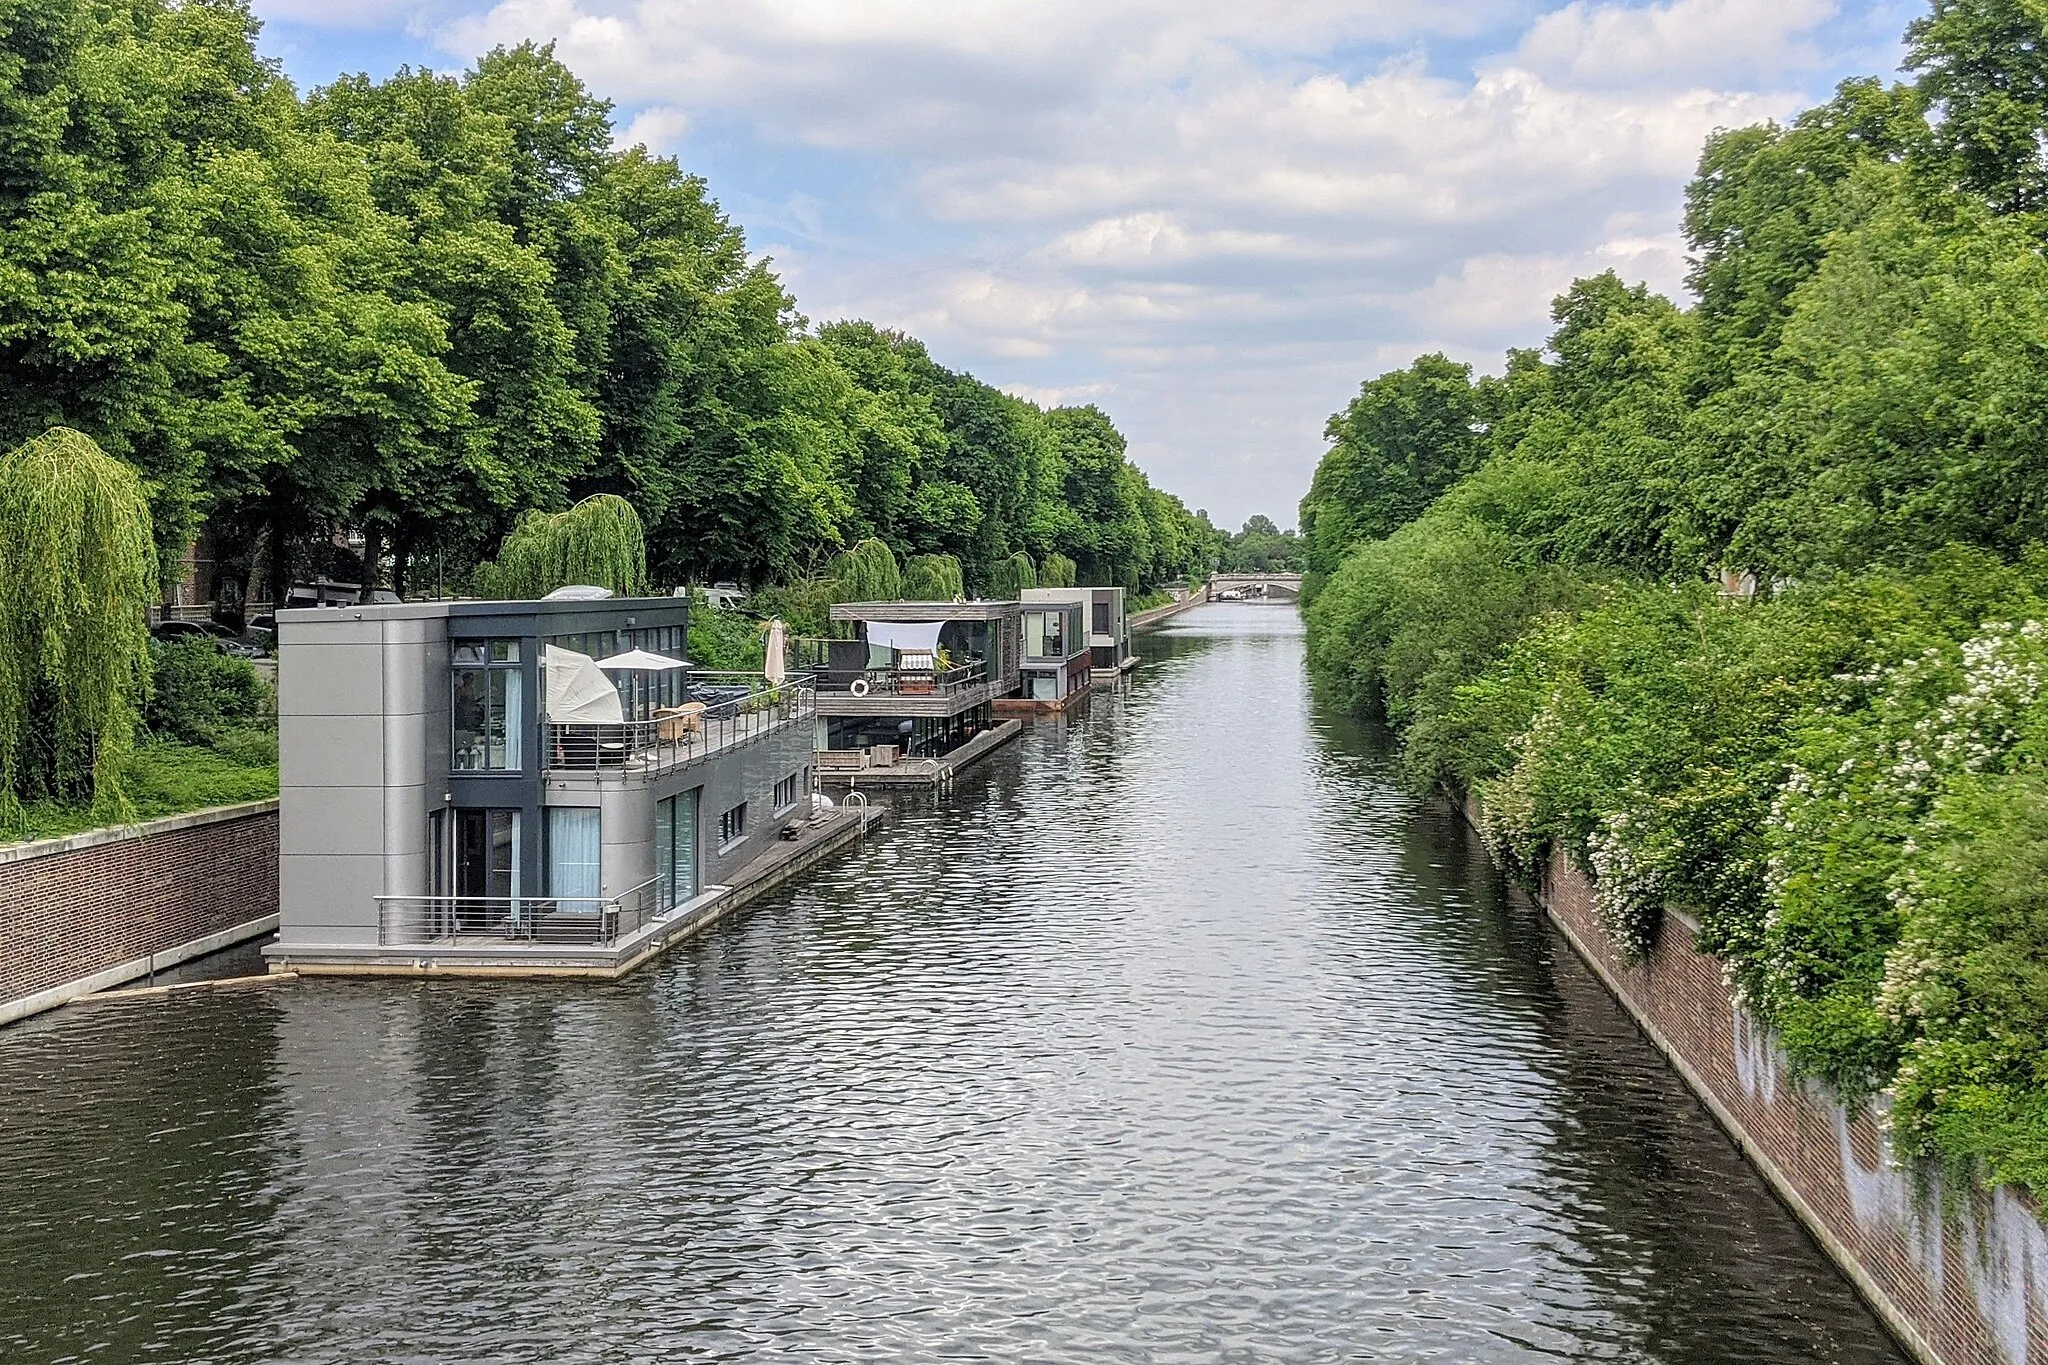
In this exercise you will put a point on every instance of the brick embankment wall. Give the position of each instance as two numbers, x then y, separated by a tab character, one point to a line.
1960	1275
89	911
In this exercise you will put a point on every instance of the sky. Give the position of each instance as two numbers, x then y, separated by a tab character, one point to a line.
1213	218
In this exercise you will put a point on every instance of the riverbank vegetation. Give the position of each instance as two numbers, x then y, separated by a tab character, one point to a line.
1741	605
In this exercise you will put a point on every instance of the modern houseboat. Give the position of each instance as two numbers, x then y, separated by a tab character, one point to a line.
913	689
1108	625
1057	664
540	785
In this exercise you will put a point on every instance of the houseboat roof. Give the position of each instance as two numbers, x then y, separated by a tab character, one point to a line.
451	607
925	611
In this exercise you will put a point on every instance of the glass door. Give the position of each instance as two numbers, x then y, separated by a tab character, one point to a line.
675	848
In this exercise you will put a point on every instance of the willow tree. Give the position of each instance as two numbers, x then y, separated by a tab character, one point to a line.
868	573
1011	577
1059	572
599	541
77	575
932	578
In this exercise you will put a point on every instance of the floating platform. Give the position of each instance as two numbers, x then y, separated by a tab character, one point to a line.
920	772
817	841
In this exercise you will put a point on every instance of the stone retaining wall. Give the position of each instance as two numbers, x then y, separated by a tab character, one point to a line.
93	910
1961	1276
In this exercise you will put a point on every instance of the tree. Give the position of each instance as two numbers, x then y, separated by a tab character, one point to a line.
868	573
1058	572
932	578
1406	437
77	574
598	542
1984	64
1011	577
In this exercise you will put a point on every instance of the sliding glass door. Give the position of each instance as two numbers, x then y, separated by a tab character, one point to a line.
675	847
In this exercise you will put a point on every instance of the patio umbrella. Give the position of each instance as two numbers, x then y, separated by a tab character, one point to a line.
772	665
642	659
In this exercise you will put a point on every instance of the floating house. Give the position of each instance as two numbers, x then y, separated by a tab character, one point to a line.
1058	661
1108	625
915	686
545	786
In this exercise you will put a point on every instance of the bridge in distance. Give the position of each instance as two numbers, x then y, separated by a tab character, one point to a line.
1225	587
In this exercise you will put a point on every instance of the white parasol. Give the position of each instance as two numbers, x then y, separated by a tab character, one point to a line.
771	666
578	692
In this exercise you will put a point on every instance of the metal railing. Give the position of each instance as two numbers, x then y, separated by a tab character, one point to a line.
815	655
729	709
568	921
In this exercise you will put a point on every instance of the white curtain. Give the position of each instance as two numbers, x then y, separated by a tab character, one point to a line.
575	859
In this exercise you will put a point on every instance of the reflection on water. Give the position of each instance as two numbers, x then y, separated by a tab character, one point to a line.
1176	1034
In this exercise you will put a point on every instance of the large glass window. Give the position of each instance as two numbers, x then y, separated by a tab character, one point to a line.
675	847
574	859
1045	634
486	714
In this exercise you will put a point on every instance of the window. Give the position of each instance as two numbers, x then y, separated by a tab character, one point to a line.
675	848
732	825
1102	618
1042	634
785	792
486	717
574	864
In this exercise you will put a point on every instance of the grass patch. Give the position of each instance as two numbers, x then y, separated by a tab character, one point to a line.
166	777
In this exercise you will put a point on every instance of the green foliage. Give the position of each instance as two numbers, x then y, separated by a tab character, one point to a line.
868	573
596	542
422	307
726	641
201	693
1011	577
1262	547
935	578
804	607
1840	769
77	572
1059	572
1405	438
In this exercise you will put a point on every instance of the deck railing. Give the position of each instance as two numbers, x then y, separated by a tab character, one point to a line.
730	709
569	921
897	679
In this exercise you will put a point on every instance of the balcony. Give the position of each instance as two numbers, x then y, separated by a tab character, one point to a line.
730	710
914	685
516	921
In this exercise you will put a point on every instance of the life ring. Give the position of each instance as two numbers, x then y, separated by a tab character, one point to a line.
859	688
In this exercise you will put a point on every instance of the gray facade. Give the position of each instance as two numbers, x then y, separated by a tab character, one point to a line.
424	788
1105	619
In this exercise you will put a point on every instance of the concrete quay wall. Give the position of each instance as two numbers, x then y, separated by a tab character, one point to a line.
1959	1275
94	910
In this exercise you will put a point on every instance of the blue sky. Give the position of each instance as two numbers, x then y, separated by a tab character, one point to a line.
1212	218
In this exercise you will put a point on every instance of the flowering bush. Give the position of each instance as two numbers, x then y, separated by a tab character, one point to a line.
1847	783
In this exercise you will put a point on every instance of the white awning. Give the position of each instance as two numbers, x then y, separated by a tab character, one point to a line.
578	691
645	660
921	637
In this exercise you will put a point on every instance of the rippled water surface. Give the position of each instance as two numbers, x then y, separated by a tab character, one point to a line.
1176	1035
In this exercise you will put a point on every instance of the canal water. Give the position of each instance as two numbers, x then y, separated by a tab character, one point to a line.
1178	1034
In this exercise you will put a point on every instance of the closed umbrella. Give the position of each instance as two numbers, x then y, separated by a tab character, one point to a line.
772	665
643	659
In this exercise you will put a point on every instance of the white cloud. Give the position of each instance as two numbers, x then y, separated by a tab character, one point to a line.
1686	39
658	127
1219	216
